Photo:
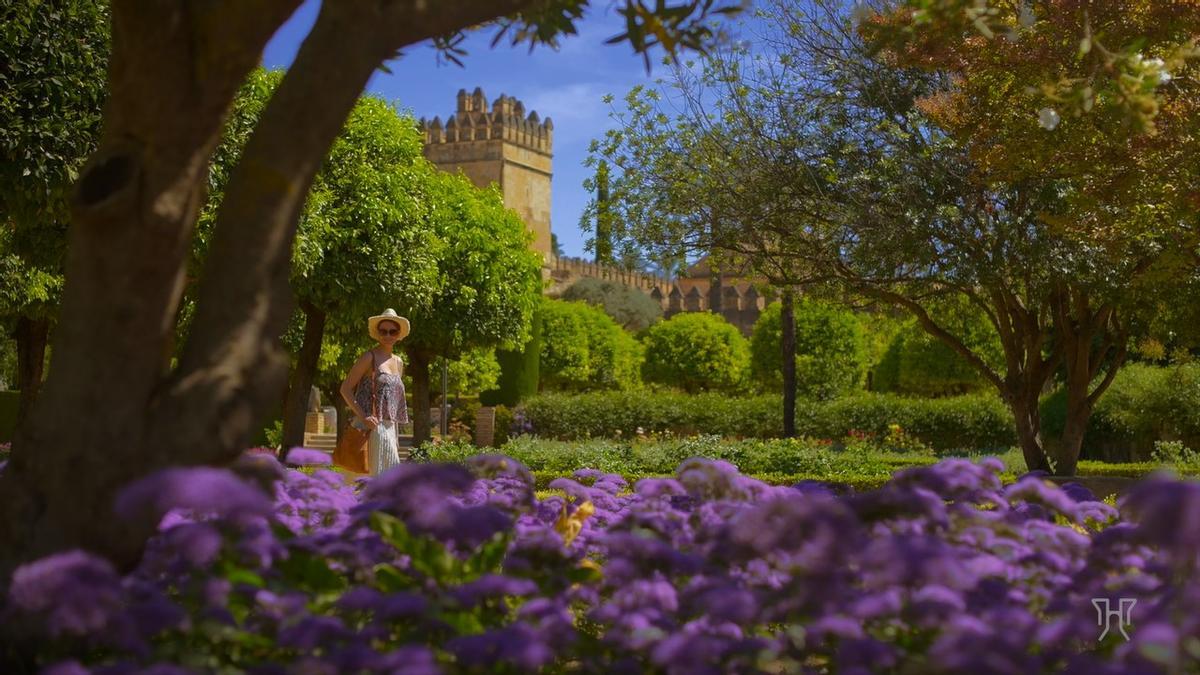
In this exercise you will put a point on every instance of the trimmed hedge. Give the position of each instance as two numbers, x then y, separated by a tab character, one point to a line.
965	422
970	422
617	414
783	458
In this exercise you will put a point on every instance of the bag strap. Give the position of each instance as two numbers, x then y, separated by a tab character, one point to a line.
374	376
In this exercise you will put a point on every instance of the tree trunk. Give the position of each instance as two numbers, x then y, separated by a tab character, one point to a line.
418	368
133	213
174	70
787	319
31	337
1029	431
1092	337
295	407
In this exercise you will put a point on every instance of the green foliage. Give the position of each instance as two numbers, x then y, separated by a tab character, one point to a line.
564	357
1174	453
629	307
489	280
1145	404
1087	63
8	362
477	370
918	363
51	97
696	351
831	349
972	422
519	369
583	349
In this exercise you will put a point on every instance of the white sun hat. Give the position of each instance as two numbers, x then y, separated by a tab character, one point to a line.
388	315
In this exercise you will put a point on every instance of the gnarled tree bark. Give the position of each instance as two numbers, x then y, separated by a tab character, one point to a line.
108	414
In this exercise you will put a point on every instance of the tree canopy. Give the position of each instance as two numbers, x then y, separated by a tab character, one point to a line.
51	94
832	157
134	211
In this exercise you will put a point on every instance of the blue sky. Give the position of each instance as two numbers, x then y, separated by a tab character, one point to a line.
567	85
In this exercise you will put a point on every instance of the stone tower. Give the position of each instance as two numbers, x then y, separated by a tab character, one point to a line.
503	146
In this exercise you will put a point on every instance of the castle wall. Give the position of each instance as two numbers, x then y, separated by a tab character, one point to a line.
504	146
525	181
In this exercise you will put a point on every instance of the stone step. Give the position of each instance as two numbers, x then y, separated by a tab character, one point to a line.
320	441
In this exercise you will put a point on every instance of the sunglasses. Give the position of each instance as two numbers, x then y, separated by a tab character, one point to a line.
389	331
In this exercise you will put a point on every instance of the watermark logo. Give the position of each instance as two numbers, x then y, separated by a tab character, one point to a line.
1105	614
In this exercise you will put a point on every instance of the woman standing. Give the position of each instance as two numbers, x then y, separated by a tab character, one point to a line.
374	391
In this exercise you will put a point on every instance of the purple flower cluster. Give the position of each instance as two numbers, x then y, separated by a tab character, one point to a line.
452	568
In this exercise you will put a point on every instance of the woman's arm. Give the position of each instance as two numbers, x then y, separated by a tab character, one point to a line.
357	371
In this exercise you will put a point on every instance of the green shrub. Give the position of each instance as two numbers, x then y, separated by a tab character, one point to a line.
696	351
917	363
1143	405
518	370
475	371
504	421
584	349
974	422
831	350
632	309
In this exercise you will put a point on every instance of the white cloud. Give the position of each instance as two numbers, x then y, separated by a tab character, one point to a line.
578	110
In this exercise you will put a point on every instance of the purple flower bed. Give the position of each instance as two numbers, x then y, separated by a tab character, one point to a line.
445	568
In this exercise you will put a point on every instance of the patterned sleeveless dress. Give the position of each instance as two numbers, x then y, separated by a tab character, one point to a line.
383	445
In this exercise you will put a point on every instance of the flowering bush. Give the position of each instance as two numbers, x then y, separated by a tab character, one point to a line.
434	568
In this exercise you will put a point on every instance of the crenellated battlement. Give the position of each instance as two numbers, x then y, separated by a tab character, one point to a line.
738	301
506	120
565	271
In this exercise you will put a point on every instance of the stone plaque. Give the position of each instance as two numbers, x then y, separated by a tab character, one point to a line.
485	427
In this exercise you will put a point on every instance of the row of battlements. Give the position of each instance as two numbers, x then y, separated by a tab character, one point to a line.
740	305
733	298
506	120
566	270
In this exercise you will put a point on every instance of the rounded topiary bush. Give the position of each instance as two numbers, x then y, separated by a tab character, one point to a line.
831	354
584	349
918	363
696	351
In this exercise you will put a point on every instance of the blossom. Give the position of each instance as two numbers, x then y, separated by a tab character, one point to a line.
200	489
77	591
305	456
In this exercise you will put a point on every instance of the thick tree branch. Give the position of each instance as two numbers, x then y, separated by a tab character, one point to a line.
933	328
